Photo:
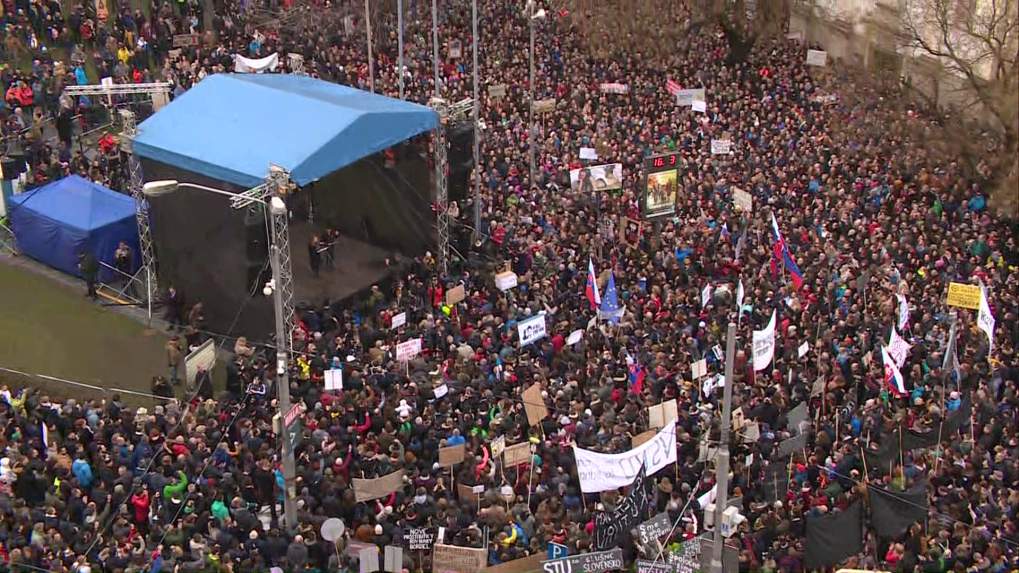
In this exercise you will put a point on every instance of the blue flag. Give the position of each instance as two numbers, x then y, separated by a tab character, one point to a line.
610	310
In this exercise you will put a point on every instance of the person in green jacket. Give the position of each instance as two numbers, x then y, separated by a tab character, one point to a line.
173	488
219	509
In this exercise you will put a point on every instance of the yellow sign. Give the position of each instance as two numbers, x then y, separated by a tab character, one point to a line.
964	296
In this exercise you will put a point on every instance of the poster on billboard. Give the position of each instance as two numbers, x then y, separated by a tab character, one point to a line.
597	178
660	194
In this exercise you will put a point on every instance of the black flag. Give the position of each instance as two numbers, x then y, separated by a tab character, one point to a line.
833	537
610	527
892	512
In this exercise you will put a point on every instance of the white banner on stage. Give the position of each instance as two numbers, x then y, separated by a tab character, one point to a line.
603	472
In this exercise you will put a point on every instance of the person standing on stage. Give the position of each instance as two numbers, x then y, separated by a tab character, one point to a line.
315	254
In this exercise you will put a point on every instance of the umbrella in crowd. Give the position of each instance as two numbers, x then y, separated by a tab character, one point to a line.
875	423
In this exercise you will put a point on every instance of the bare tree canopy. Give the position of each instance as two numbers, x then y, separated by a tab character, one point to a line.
974	47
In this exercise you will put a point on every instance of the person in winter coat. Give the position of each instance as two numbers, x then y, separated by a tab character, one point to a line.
82	471
140	502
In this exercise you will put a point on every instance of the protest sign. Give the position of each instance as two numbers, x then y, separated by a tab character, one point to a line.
654	528
607	177
531	330
721	146
586	563
602	472
964	296
534	405
516	454
451	455
614	88
369	489
818	58
685	98
419	539
406	351
455	559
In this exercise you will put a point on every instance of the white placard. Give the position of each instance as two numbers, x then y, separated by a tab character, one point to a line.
721	146
742	199
406	351
399	320
575	337
334	379
506	280
588	153
603	472
441	391
478	489
699	106
699	369
685	98
531	329
614	88
244	65
202	357
817	58
764	344
804	349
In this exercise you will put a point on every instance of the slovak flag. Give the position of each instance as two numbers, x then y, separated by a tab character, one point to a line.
893	377
781	253
637	375
592	285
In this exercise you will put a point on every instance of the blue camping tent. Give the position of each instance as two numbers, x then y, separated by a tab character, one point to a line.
55	222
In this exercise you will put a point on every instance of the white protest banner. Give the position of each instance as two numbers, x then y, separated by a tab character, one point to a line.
398	320
721	146
817	58
244	65
406	351
898	347
614	88
699	106
699	369
531	329
985	320
764	344
685	98
602	472
589	153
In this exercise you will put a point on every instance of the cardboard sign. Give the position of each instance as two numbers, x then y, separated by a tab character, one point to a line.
964	296
452	455
721	146
516	454
506	280
614	88
406	351
497	91
454	559
466	493
334	380
642	438
369	489
589	153
742	200
394	559
455	295
534	405
699	106
526	565
186	40
699	369
545	105
818	58
661	414
368	560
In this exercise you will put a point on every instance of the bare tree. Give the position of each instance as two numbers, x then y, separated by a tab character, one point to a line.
974	46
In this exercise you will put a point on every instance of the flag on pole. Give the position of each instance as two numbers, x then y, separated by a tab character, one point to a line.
951	360
985	320
637	374
898	347
893	378
725	232
592	285
903	312
780	252
610	309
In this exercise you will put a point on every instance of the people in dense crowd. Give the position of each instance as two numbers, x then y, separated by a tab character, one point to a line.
871	219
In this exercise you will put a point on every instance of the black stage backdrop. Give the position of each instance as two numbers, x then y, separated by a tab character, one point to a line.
213	253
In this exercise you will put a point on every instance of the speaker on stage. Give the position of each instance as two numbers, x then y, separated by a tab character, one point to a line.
461	160
257	241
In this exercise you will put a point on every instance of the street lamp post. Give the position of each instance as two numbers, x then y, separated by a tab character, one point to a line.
276	209
533	15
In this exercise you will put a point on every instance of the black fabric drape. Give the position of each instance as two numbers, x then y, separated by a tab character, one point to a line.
834	537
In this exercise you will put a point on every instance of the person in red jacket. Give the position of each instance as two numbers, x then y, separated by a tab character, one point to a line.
140	502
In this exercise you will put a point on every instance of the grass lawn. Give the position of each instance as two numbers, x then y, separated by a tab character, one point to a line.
50	328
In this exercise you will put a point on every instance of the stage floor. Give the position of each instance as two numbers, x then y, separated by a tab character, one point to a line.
357	265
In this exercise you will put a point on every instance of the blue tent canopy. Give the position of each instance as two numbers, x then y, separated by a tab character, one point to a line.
55	222
230	127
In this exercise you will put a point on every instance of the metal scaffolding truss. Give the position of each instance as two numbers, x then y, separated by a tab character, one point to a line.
136	182
277	184
441	183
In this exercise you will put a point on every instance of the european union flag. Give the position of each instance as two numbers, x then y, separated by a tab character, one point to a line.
610	310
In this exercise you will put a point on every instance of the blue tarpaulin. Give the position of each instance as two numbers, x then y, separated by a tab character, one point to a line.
53	223
230	127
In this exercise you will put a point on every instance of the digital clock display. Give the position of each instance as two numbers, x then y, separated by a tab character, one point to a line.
662	161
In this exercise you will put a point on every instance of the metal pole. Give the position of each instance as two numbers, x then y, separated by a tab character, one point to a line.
399	40
435	46
477	130
283	381
531	137
722	465
371	58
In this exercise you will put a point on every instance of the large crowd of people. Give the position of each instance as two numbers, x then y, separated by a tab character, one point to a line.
871	217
